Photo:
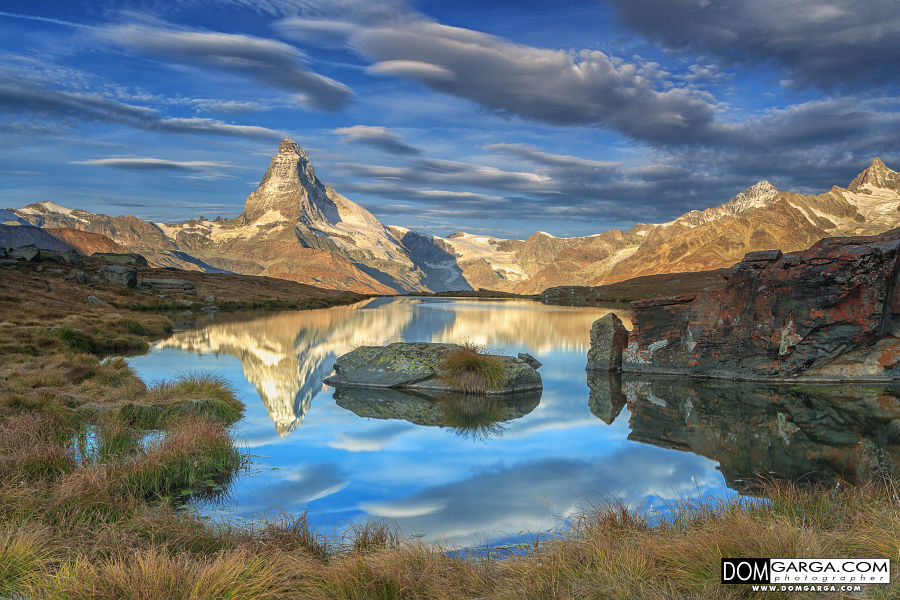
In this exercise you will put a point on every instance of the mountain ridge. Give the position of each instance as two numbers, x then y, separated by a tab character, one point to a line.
295	227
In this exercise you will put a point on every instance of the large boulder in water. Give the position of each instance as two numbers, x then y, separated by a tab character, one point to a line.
608	339
419	365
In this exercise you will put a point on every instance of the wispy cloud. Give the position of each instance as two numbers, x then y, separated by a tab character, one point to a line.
268	62
153	164
42	101
378	137
559	87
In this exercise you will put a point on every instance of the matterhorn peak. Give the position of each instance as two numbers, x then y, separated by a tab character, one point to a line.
289	186
289	146
876	175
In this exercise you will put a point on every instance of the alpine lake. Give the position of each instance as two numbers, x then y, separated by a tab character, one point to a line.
471	472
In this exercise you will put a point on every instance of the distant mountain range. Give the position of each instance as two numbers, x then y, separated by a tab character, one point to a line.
295	227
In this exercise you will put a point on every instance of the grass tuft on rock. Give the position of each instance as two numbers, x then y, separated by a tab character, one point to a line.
469	371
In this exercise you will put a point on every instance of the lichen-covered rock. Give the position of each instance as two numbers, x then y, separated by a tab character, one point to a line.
608	339
128	258
417	365
781	316
118	275
27	253
66	257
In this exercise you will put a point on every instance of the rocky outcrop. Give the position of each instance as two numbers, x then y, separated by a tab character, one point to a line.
829	312
418	366
118	275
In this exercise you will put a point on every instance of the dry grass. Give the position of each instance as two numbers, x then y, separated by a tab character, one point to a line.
469	371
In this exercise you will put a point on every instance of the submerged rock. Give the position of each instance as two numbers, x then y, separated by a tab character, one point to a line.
418	365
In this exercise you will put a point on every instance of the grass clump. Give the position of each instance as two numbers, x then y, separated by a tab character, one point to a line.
102	342
194	454
469	371
24	559
157	574
195	394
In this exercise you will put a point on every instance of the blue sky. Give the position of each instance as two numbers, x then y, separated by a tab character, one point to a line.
497	117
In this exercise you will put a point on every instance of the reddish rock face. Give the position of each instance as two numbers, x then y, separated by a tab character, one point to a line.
781	316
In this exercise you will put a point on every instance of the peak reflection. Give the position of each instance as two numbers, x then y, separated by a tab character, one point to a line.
286	356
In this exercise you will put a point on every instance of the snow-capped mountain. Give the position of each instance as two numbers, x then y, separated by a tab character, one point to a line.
295	227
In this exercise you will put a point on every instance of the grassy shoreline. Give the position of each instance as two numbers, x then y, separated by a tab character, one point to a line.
94	463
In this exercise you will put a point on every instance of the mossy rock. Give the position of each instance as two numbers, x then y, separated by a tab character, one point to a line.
417	365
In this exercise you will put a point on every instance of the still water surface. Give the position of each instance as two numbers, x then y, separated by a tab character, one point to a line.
442	473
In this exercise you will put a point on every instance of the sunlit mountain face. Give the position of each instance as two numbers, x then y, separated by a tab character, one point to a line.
287	356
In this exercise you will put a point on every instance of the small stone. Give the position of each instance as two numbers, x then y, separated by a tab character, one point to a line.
94	300
211	298
9	262
762	256
210	308
530	360
185	302
608	339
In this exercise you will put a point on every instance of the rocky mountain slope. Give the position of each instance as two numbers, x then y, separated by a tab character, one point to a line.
294	227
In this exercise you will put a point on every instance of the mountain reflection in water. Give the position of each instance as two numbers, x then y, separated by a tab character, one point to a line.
286	356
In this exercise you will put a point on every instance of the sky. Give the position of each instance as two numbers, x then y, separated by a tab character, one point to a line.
495	117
